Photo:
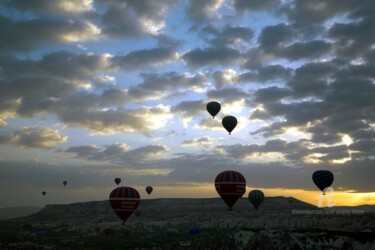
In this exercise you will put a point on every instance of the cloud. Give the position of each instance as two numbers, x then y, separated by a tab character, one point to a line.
255	5
203	10
57	6
312	49
228	35
134	18
118	152
228	94
144	58
34	137
158	84
27	35
203	142
139	120
317	11
211	56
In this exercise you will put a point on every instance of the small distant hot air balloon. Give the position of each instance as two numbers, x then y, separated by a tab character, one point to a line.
256	197
44	193
149	189
213	108
290	200
137	213
65	182
124	201
323	179
230	185
117	180
229	123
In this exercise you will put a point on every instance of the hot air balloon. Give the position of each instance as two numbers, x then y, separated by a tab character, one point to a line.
44	193
290	200
65	182
230	185
149	189
213	108
256	197
323	179
229	123
124	201
137	213
117	180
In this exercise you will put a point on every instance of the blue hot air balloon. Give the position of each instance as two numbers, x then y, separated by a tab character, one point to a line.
65	182
194	230
323	179
256	197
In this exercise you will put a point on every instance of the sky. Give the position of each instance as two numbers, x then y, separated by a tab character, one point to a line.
91	90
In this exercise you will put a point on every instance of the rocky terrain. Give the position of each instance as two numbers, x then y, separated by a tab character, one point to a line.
165	224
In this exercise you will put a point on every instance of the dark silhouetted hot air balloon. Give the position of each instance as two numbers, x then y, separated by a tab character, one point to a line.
229	123
149	189
196	230
124	201
290	200
256	197
137	213
65	182
213	108
230	185
323	179
117	180
44	193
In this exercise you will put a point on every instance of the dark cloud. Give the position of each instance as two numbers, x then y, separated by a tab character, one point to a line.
190	108
134	18
316	11
271	94
26	35
144	58
260	115
211	56
158	83
255	5
202	10
273	36
273	73
34	137
354	38
46	6
117	152
228	94
313	49
227	36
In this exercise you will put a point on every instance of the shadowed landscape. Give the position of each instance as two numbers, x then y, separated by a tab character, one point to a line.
165	224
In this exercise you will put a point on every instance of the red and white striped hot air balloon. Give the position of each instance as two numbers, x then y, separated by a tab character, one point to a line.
124	201
230	185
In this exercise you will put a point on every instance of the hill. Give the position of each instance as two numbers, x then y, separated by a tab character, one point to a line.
14	212
168	208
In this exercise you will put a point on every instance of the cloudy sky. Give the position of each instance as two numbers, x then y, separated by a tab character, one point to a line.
91	90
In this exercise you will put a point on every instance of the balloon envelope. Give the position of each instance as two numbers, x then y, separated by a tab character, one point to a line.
213	108
194	230
230	185
256	197
65	182
44	193
323	179
124	201
149	189
229	123
117	180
